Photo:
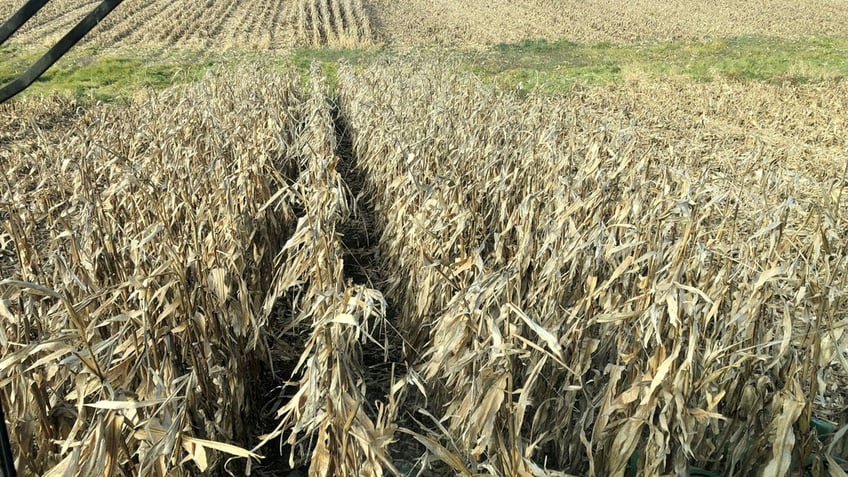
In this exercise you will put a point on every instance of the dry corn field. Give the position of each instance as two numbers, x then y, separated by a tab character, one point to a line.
422	275
206	24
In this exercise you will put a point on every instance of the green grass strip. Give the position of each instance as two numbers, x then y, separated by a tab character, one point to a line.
550	67
554	67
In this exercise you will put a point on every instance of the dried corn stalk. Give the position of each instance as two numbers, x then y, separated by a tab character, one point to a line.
329	407
143	240
572	293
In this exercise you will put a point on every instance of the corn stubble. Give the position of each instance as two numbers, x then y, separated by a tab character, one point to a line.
566	281
333	23
209	24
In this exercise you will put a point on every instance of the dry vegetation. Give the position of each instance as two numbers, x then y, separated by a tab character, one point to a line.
208	24
420	271
540	285
481	22
337	23
282	24
142	240
579	278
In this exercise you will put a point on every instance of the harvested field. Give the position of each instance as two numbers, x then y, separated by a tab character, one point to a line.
211	24
337	23
482	22
283	24
424	273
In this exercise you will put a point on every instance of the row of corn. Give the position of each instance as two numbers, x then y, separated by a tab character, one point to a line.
572	290
566	284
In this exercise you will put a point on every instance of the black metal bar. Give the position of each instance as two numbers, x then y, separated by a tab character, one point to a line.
17	20
7	460
52	56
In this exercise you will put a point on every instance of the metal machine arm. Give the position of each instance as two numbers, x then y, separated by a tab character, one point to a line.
18	19
52	56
